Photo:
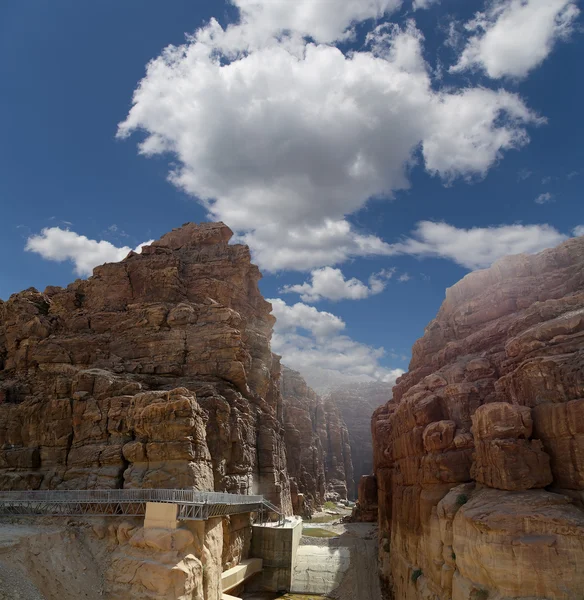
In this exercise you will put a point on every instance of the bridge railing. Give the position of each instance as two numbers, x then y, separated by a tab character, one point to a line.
192	505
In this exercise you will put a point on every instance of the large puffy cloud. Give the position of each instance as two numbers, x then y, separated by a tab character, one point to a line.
311	342
477	247
328	283
287	139
514	36
54	243
323	21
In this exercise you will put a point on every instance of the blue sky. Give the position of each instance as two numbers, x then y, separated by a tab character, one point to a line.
401	144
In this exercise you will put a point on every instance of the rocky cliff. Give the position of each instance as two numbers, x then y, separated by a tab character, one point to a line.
356	403
317	443
479	457
154	372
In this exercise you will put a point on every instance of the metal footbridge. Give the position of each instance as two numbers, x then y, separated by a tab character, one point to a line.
192	505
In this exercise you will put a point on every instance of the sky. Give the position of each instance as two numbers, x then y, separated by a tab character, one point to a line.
370	152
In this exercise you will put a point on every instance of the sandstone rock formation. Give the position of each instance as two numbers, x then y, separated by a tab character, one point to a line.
479	457
356	403
119	559
154	372
317	443
366	508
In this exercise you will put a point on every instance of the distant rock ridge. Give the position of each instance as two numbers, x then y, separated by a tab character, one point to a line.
317	444
479	456
154	372
356	403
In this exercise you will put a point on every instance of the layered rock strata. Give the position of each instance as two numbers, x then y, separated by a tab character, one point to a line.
479	457
154	372
317	444
356	404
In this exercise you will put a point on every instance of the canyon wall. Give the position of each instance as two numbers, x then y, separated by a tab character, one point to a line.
479	456
155	372
317	443
356	403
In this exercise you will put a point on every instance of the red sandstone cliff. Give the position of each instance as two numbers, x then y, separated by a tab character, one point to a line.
317	443
154	372
479	457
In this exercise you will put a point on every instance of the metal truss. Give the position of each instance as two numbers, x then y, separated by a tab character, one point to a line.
192	505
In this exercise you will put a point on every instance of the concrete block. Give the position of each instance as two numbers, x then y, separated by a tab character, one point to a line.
237	575
161	515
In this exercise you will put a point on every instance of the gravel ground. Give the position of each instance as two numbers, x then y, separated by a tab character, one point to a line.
15	586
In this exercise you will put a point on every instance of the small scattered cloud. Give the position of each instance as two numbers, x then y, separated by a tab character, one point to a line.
578	231
524	174
478	247
301	316
56	244
513	37
572	174
404	277
423	4
545	198
330	284
311	341
546	180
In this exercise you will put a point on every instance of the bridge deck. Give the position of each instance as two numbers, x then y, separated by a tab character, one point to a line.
192	505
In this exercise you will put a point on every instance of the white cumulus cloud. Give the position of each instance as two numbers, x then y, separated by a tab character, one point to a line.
513	37
310	341
54	243
328	283
478	247
284	139
578	231
323	21
318	323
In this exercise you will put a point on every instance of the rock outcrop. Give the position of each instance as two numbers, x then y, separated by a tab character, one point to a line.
317	444
366	507
479	457
356	403
154	372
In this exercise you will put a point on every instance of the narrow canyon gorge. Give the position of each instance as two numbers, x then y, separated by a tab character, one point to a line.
157	373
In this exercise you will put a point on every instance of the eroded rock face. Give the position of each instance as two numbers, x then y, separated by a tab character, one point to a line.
490	414
155	372
317	443
356	403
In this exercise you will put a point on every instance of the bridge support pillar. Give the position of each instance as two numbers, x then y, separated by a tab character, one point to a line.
161	515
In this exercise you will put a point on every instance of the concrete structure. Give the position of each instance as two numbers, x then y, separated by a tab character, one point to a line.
277	545
319	569
235	576
161	514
